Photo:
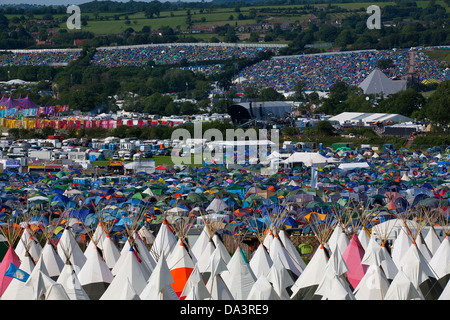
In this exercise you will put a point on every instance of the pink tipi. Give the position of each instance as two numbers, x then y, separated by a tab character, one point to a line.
11	233
353	256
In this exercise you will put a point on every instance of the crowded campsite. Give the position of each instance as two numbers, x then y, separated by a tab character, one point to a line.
230	157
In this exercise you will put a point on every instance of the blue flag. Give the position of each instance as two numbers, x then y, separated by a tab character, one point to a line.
16	273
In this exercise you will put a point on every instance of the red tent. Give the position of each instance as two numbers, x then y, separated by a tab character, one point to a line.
20	103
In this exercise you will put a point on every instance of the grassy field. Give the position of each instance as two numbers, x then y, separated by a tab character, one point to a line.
159	160
163	160
217	16
176	19
439	54
173	19
167	160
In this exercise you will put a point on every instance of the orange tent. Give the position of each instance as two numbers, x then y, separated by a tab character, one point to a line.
312	214
181	267
242	211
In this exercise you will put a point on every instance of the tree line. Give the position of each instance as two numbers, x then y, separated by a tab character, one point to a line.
150	89
410	103
153	88
409	25
144	133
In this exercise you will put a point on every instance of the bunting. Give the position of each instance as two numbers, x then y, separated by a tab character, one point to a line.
10	119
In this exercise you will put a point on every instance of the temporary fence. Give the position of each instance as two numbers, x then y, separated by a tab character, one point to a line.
72	122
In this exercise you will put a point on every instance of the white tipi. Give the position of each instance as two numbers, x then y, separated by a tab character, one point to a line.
69	280
278	252
28	244
260	262
333	285
159	285
131	275
307	283
280	279
215	285
67	243
239	278
441	259
164	241
291	250
432	241
53	262
195	288
95	275
402	288
262	290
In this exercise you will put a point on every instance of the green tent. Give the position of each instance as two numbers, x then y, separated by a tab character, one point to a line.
61	186
158	189
159	219
342	202
305	248
236	187
196	198
139	195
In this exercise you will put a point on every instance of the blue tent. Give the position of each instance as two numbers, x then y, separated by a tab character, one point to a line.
289	222
71	204
114	200
124	221
199	190
111	214
58	191
60	197
231	202
94	200
108	191
91	220
79	214
401	204
270	208
427	185
132	201
417	191
255	225
40	218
